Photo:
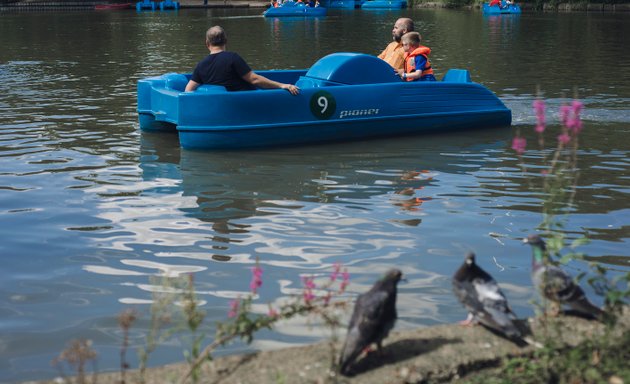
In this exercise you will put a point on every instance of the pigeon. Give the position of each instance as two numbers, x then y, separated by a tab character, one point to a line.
555	284
373	317
481	295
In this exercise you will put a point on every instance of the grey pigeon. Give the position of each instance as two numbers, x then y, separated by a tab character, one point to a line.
373	317
555	284
482	297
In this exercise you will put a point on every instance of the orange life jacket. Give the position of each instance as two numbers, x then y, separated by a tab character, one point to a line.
410	63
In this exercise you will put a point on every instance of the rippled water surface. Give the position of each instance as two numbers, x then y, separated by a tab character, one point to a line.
91	209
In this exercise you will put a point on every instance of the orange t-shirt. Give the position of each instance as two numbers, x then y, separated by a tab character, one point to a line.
394	55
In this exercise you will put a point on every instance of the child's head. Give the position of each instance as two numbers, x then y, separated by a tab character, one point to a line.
410	41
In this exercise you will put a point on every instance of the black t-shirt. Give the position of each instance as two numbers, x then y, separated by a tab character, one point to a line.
223	68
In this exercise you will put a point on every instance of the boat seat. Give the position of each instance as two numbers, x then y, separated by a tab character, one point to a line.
352	68
175	81
178	81
457	76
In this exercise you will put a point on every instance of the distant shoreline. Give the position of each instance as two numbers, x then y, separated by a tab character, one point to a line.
32	5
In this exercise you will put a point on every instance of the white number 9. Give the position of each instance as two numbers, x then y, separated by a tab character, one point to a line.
322	102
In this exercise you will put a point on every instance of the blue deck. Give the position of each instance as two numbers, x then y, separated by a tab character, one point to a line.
344	4
292	8
336	103
496	10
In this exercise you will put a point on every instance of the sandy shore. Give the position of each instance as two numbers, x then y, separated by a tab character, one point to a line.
437	354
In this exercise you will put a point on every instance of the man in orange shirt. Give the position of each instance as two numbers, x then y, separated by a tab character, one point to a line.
394	53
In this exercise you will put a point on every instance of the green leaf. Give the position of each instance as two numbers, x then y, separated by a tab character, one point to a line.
579	242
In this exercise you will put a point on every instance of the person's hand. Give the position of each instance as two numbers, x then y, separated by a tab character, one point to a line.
291	88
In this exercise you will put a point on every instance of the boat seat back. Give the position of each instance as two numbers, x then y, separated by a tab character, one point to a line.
175	81
457	76
352	68
178	81
208	88
309	82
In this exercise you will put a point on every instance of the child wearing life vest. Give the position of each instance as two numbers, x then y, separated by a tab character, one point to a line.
417	65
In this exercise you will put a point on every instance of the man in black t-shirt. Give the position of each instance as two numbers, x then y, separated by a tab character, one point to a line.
229	69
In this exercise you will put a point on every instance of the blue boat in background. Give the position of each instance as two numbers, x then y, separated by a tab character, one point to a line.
343	4
169	4
384	4
145	4
293	8
343	96
502	9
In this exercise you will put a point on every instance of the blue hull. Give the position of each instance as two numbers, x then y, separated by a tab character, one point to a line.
342	4
291	8
384	4
496	10
335	104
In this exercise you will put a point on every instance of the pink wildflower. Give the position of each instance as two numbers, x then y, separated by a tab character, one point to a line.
576	106
309	282
565	112
234	304
574	123
272	313
309	285
519	144
256	279
308	296
335	272
564	138
539	109
345	281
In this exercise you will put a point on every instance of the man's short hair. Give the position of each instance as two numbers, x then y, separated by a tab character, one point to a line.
215	36
407	23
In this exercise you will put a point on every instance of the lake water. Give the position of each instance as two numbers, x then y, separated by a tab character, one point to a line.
91	208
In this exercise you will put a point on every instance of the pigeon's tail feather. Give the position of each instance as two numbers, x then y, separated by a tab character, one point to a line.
585	306
351	350
532	342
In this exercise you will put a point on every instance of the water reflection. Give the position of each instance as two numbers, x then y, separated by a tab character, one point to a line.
92	209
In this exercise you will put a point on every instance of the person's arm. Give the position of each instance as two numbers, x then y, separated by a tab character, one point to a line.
263	82
191	86
413	75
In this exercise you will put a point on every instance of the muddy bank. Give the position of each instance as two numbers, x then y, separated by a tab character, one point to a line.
434	354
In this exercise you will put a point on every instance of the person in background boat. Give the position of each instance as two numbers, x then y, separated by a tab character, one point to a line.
495	2
228	69
417	65
394	54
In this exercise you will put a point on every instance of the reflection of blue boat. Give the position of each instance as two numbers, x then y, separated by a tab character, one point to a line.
500	10
169	4
384	4
344	96
292	8
145	4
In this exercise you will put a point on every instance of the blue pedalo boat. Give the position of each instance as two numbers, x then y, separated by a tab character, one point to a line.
384	4
344	96
293	8
500	10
